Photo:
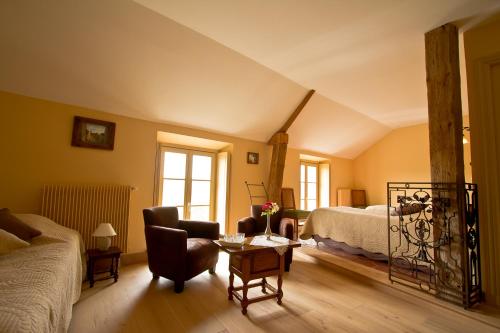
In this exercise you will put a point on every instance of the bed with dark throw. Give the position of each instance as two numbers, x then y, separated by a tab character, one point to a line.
40	282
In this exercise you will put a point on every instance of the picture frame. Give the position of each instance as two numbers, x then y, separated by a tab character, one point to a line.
93	133
252	158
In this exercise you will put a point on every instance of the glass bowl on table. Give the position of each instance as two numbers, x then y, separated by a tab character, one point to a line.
234	240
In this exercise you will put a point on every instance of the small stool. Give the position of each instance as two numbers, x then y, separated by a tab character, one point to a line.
95	255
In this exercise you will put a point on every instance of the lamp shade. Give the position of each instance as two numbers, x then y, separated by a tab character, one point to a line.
104	230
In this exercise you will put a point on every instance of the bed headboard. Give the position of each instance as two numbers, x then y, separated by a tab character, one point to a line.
351	198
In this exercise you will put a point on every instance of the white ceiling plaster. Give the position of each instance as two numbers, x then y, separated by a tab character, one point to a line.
367	55
243	73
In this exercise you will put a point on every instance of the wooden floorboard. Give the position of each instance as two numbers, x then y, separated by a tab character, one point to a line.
317	298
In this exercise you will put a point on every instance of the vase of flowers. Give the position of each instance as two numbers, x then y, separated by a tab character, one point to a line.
268	209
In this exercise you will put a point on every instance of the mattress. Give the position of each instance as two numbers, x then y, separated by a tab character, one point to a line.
39	284
359	228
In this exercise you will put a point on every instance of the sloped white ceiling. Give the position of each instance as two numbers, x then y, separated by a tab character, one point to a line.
367	55
142	59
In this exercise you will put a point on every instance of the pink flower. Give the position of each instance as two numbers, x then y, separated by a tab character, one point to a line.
269	208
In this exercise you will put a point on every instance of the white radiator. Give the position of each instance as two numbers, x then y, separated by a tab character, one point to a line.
83	207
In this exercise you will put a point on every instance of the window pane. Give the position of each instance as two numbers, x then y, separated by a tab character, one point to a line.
200	213
311	190
311	204
311	173
200	192
174	165
202	167
302	173
173	192
302	204
181	212
302	191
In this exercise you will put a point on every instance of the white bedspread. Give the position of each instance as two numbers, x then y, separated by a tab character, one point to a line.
39	284
361	228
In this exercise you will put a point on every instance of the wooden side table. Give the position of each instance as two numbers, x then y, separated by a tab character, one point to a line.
94	256
251	262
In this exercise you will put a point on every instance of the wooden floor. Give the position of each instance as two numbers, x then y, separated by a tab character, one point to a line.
316	299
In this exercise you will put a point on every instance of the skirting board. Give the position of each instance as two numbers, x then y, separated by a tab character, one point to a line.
134	258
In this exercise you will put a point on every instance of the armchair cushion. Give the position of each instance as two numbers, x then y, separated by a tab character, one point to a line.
201	253
200	229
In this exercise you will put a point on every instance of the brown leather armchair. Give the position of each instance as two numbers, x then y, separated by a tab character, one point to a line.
179	250
256	224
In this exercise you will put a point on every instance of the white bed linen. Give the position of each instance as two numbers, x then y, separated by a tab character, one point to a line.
361	228
39	284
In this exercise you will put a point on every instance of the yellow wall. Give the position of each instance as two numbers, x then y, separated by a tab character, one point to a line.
482	55
35	141
341	173
35	137
402	155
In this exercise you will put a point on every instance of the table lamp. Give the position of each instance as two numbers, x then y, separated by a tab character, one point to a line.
104	232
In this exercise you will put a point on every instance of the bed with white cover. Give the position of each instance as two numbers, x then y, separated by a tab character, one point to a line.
358	228
39	284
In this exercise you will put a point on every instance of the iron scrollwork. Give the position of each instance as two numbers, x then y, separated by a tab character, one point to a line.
431	246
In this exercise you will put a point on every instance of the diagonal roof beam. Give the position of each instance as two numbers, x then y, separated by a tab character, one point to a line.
294	115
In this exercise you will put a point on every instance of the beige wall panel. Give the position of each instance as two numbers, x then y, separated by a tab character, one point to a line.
482	54
35	140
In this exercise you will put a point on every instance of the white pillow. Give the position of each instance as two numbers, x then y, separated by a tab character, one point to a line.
10	242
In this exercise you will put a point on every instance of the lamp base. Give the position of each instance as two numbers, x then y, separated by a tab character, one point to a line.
103	243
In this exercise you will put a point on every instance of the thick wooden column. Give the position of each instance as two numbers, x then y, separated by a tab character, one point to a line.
446	149
280	141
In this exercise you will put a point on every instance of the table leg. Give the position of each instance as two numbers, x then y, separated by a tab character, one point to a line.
264	285
280	278
117	260
231	287
91	272
244	301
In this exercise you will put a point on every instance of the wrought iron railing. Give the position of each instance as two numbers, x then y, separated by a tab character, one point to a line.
433	237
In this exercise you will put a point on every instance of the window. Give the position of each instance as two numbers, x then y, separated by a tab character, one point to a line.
187	182
308	185
314	184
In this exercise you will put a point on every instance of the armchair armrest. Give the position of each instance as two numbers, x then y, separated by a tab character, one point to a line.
247	226
286	228
165	239
200	229
167	251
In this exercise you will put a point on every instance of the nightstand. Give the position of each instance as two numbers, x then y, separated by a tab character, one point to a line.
112	255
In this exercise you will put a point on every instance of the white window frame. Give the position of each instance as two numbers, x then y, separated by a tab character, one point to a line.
188	178
316	165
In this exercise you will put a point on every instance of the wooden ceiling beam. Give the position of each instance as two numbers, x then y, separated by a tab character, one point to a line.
294	115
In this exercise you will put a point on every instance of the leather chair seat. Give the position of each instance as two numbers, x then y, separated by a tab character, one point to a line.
201	252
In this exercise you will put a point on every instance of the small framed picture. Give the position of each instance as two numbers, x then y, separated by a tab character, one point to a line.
252	158
93	133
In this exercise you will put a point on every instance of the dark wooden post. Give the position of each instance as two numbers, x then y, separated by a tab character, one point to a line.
280	143
446	150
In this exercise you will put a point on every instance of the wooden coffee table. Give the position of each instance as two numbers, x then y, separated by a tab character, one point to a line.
255	262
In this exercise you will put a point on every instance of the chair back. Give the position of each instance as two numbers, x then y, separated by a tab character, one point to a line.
256	213
287	198
161	216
